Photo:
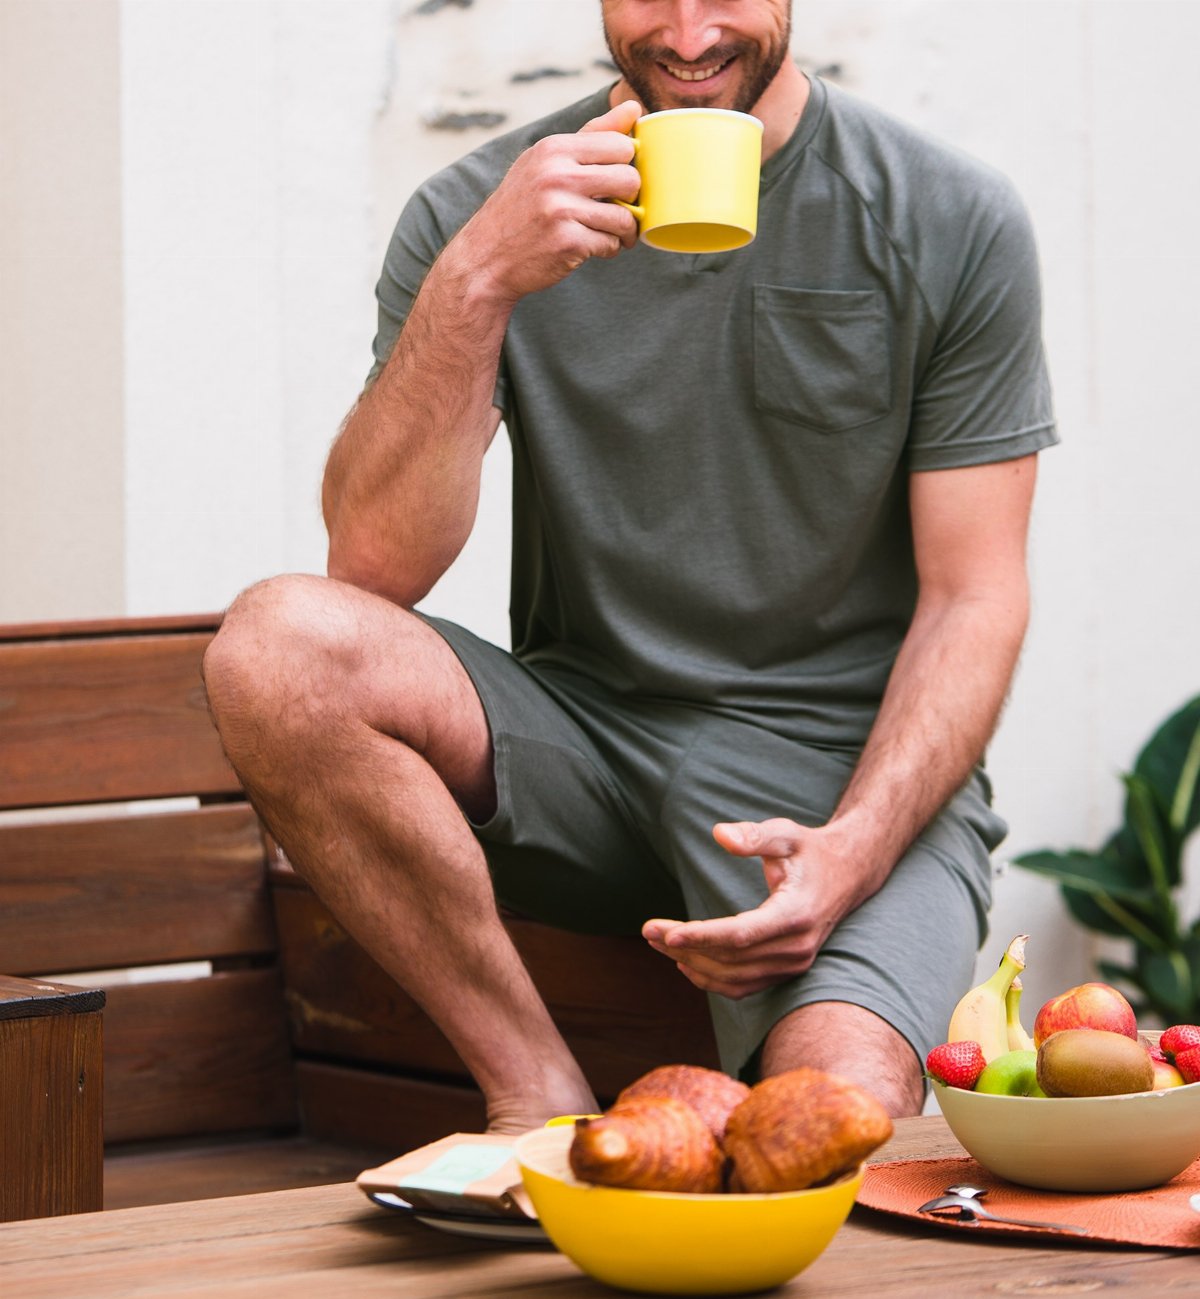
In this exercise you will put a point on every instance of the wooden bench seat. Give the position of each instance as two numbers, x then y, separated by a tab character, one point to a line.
248	1042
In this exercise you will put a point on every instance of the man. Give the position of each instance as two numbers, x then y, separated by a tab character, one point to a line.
770	511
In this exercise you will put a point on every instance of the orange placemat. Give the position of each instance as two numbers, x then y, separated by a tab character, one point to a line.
1160	1218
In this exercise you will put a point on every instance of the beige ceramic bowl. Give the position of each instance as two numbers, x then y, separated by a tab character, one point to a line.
1078	1143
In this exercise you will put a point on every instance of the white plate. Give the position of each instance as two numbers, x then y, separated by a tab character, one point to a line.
464	1224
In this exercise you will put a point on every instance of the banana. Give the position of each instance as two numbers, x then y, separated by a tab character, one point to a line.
1018	1039
980	1015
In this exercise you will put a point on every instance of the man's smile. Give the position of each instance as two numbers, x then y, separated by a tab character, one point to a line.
695	74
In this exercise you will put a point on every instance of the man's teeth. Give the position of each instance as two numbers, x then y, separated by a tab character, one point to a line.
685	75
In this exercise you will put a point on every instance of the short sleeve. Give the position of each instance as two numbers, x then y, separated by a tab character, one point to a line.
984	394
414	246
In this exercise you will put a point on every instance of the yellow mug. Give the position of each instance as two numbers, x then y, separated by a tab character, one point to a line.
700	175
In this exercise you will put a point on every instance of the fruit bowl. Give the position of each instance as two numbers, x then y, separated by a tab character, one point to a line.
672	1243
1078	1143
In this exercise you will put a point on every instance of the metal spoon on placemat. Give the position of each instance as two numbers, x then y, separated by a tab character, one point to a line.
964	1200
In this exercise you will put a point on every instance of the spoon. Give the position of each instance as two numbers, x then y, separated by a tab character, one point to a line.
969	1206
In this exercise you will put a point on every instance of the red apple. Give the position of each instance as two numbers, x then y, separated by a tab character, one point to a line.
1091	1005
1165	1073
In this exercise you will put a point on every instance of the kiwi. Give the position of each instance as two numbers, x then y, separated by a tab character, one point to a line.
1093	1062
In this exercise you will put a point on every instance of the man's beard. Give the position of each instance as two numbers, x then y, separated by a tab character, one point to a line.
757	70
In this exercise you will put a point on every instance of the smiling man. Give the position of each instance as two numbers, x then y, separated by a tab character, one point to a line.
697	59
768	579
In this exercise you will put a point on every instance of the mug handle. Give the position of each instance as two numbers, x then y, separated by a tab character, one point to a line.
638	211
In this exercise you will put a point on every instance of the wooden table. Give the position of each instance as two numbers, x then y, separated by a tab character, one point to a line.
330	1241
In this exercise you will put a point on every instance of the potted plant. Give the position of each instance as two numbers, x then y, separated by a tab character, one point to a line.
1130	886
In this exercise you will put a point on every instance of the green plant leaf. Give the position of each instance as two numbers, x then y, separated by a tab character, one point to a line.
1124	851
1085	909
1092	872
1168	984
1170	764
1191	954
1131	904
1155	840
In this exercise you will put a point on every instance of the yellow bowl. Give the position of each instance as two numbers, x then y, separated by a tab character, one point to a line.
670	1243
1078	1143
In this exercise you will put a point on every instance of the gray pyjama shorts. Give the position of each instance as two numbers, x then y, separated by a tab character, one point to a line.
605	809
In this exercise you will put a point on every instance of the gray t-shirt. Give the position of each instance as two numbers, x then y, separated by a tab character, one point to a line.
710	452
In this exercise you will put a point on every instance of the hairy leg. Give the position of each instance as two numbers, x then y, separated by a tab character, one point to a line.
848	1040
360	740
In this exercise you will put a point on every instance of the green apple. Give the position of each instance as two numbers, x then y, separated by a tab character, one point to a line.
1011	1074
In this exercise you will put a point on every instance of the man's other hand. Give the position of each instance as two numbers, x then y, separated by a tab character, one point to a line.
553	209
811	886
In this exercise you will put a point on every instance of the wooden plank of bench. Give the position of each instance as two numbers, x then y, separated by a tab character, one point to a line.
50	1116
192	1056
341	1004
76	628
134	890
96	720
621	1008
363	1108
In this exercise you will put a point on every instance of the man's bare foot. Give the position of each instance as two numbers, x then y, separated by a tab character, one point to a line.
521	1115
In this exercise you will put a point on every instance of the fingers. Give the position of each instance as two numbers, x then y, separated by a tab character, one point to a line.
768	931
778	837
616	180
619	119
770	922
740	954
734	990
735	975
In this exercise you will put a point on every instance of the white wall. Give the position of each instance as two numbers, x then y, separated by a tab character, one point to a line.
267	147
247	197
61	310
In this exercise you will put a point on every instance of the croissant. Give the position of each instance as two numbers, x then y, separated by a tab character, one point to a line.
799	1128
713	1095
649	1143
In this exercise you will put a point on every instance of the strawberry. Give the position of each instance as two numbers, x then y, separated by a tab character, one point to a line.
957	1064
1179	1038
1188	1064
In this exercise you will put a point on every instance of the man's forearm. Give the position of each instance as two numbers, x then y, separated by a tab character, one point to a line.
402	483
939	711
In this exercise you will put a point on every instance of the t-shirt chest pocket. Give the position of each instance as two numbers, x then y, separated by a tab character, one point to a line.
821	356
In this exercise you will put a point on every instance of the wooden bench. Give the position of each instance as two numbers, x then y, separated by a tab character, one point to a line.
248	1043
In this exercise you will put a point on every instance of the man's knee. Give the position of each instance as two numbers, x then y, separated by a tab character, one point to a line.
857	1044
278	643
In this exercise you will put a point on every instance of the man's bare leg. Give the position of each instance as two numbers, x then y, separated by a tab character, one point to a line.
359	737
845	1039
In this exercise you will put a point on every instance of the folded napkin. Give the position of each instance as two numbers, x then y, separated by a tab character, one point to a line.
1160	1217
473	1174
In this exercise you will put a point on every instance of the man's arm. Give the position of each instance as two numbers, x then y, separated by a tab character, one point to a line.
401	486
940	708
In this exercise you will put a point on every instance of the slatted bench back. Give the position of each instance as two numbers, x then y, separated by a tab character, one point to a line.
296	1018
92	717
